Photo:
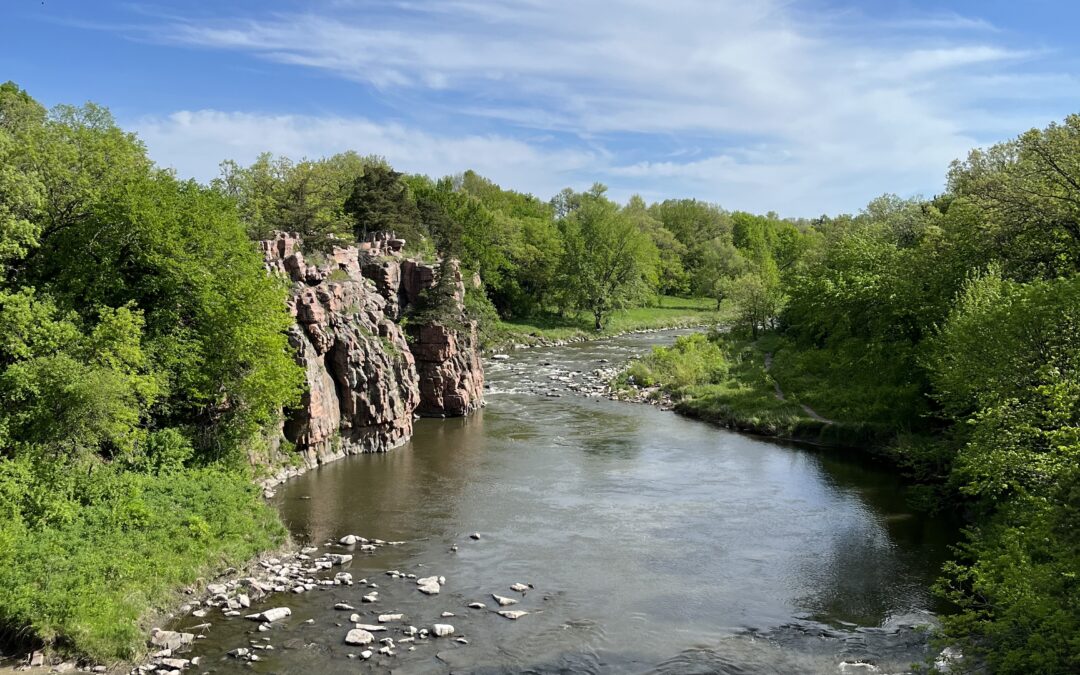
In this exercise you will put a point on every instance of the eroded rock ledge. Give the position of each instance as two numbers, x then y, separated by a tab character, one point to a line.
366	379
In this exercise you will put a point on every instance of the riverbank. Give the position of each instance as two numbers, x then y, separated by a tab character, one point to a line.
550	330
119	550
744	394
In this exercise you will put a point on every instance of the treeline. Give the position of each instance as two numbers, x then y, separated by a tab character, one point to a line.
950	329
142	355
577	252
959	316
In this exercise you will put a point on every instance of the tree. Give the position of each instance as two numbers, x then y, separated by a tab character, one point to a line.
1028	190
381	202
161	312
719	262
609	262
671	276
758	296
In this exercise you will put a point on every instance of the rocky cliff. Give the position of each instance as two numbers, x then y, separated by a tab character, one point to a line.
366	379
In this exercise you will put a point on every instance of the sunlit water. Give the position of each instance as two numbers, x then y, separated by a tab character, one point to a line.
655	543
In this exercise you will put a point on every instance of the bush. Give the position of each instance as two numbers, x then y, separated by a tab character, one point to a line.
691	360
88	551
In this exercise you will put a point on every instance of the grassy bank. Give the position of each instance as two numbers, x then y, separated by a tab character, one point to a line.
89	552
730	381
669	312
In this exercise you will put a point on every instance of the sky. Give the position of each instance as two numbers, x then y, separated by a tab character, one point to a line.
802	107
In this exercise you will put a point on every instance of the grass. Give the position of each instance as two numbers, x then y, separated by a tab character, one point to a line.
90	552
726	382
744	397
669	312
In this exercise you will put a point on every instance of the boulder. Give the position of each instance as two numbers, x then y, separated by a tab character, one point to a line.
359	636
271	615
170	639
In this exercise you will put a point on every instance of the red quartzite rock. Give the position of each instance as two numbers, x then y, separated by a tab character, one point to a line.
364	380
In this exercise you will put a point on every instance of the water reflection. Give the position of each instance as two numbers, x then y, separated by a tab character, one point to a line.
655	543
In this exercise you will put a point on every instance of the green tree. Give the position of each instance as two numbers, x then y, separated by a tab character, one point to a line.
381	201
671	276
758	296
1028	190
609	263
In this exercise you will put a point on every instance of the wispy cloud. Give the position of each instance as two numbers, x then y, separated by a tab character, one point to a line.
845	113
193	142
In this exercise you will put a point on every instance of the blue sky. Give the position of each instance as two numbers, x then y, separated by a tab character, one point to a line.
798	106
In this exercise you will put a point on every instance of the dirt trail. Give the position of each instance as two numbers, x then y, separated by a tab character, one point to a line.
780	394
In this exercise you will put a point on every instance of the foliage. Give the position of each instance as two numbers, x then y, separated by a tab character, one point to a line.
691	360
758	296
142	351
307	197
86	547
1028	193
609	263
381	202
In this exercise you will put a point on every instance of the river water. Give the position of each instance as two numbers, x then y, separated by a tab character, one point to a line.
654	543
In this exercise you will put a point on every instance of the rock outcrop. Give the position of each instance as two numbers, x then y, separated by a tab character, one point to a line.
448	357
365	379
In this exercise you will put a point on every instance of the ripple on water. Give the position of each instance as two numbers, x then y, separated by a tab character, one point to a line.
655	544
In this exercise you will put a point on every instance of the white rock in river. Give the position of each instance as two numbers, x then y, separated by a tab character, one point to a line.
474	535
359	636
371	597
344	606
442	629
271	615
427	580
503	602
446	615
477	605
349	540
431	589
520	588
170	639
339	558
370	627
384	618
513	614
366	654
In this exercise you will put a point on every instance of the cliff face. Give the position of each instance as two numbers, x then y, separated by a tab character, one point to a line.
448	360
365	380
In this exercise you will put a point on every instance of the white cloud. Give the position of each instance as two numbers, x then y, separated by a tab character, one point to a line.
194	142
847	108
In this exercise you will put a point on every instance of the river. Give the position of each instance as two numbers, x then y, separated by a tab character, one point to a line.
654	543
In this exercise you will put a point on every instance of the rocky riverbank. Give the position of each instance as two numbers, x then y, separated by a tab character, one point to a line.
370	627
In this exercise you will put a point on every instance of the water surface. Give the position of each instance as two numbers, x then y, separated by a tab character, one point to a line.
655	543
